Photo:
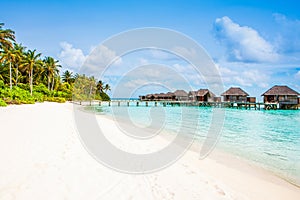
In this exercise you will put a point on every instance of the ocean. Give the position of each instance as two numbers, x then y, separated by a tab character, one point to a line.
269	139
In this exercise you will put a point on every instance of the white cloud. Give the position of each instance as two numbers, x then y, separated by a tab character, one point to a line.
100	59
243	43
185	52
254	77
70	57
288	40
150	76
143	61
248	77
162	55
297	75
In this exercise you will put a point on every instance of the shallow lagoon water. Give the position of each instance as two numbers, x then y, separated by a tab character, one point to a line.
270	139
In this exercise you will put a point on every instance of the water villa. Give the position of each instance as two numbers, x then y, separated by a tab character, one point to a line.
181	95
203	95
277	97
286	97
235	94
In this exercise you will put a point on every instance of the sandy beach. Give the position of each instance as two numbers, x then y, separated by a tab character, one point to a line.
42	158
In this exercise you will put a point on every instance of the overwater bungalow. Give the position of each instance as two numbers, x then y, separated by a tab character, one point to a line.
283	95
170	96
235	94
192	95
178	95
202	95
181	95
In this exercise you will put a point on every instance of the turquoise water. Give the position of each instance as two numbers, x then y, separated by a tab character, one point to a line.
270	139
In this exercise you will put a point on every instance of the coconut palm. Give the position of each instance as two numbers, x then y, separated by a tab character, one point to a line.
4	71
106	88
93	85
100	86
67	77
76	76
31	61
7	36
8	56
51	68
19	55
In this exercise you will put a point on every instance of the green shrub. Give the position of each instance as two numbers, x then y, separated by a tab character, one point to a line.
2	103
104	96
55	99
23	86
62	94
1	84
41	88
39	97
16	96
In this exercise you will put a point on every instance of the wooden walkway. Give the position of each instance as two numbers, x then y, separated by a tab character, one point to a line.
238	105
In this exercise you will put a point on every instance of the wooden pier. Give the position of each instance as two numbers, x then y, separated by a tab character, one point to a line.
237	105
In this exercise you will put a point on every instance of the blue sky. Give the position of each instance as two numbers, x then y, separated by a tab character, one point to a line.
255	44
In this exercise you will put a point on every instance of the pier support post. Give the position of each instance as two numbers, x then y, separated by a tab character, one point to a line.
127	103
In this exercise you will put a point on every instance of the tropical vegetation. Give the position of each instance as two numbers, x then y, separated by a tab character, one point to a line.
28	77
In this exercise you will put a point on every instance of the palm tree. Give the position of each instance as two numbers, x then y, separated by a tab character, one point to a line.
31	61
19	55
8	56
3	72
51	67
7	36
100	86
67	77
106	88
92	84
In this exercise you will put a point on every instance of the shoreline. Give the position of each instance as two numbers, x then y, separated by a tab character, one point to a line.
227	159
48	161
218	149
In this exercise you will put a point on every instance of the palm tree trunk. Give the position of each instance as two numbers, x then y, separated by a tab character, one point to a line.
52	83
31	81
17	76
48	82
10	79
91	89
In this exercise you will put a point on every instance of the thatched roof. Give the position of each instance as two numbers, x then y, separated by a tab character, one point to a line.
203	92
192	93
235	91
169	94
280	90
181	93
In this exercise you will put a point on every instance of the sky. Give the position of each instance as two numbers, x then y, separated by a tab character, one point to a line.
254	44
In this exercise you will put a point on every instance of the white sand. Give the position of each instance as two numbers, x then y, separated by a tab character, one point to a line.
42	158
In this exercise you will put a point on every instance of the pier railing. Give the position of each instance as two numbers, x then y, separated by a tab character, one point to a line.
237	105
